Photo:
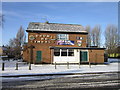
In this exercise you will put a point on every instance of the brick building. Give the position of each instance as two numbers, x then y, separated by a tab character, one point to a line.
60	43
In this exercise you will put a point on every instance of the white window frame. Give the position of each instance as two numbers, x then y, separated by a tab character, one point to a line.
64	37
67	53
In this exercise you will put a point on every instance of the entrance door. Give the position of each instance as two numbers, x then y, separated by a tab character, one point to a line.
83	56
38	56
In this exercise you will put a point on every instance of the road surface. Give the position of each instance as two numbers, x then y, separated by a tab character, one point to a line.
98	81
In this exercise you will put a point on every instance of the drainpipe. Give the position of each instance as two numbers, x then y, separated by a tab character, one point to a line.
31	53
51	53
96	57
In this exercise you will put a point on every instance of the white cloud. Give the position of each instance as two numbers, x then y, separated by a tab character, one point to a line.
11	13
30	16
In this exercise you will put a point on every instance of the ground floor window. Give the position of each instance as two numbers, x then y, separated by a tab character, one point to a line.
56	52
63	52
70	52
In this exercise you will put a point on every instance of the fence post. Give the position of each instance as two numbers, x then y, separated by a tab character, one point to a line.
89	64
67	65
3	64
79	64
55	66
29	66
16	66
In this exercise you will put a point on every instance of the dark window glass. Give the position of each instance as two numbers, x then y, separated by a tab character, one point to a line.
70	52
64	52
57	52
78	38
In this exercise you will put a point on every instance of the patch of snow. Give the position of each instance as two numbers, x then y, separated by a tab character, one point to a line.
23	69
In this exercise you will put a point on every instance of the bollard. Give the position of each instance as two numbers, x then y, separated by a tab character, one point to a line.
89	65
16	66
79	64
29	66
55	66
67	65
3	64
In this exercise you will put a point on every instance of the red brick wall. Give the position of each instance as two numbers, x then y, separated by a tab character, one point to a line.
44	47
96	56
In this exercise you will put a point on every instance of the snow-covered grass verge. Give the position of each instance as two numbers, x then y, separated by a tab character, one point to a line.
50	69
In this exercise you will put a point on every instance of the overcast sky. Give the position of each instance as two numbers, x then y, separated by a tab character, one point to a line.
83	13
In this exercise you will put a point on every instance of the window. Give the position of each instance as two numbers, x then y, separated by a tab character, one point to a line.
70	52
56	52
64	52
79	38
62	37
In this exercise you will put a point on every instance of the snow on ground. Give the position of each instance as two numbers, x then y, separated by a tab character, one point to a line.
50	69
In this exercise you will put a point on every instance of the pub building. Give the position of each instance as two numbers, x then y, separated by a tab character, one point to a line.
60	43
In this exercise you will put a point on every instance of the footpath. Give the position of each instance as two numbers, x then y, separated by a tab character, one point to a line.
51	70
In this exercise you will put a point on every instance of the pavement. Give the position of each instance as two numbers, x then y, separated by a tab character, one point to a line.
56	74
44	70
42	77
96	81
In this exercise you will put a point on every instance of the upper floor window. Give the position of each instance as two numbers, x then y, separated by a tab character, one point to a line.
79	38
62	36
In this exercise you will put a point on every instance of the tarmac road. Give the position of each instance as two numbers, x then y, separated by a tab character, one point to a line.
98	81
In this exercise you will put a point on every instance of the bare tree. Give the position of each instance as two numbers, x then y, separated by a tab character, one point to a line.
14	47
96	35
88	29
16	43
21	36
111	38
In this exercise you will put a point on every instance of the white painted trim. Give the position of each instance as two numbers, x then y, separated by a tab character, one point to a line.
72	59
54	30
65	59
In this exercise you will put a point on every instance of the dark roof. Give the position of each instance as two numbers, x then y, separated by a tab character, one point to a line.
76	48
55	27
